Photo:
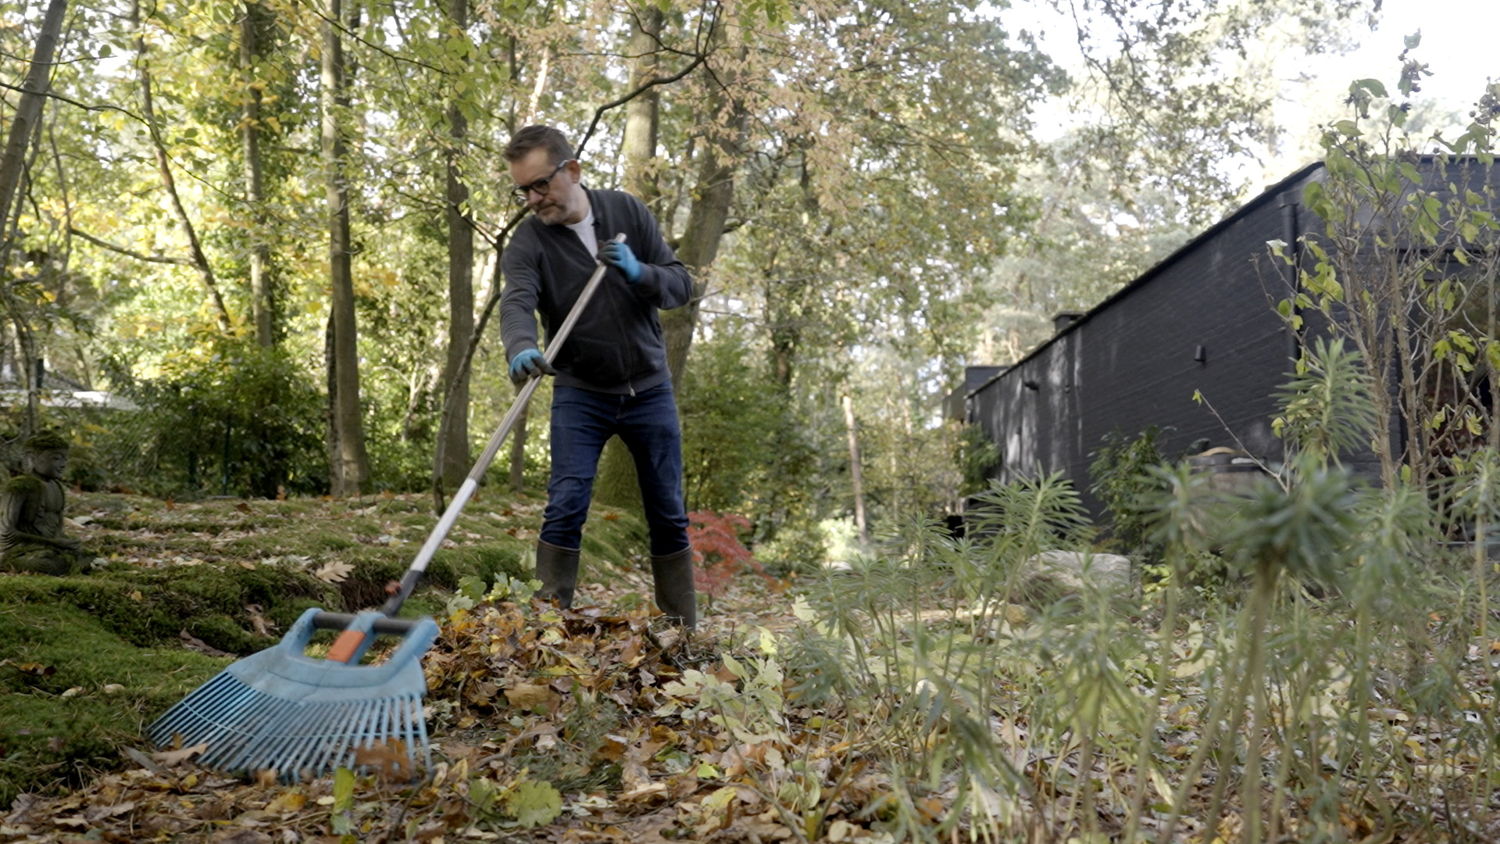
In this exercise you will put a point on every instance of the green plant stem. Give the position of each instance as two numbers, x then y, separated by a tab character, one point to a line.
1148	730
1481	564
1250	796
1200	756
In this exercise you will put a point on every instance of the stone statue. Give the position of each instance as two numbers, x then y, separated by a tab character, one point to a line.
31	512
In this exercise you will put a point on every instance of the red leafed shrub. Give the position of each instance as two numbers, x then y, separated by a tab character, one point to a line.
718	551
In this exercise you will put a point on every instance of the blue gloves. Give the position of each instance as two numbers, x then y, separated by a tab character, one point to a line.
529	364
619	256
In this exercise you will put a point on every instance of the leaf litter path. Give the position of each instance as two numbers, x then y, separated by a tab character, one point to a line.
599	724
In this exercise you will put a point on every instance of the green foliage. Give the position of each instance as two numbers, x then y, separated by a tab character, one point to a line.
227	418
1403	267
1124	479
734	423
978	457
1032	514
1299	526
1328	407
962	680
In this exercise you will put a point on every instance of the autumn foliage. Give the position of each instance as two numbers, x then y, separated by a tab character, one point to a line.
719	553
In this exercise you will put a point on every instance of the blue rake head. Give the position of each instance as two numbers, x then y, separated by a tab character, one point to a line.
301	717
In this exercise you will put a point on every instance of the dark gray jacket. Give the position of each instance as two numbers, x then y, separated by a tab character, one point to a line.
616	346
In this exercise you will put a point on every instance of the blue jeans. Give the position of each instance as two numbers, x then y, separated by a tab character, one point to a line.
582	422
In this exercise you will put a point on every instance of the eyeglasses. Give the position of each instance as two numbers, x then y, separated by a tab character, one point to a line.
520	193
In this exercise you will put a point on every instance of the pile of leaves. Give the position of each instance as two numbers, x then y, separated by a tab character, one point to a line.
586	725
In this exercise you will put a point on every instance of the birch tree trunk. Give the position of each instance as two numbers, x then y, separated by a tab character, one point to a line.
23	128
350	472
856	472
29	111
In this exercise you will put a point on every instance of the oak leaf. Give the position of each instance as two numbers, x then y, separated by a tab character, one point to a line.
334	571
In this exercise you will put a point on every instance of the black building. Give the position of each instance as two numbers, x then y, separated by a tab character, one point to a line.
1203	321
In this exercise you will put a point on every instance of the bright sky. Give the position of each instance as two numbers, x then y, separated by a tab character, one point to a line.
1457	46
1458	38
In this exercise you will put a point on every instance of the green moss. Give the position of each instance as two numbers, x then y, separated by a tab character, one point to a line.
51	740
152	606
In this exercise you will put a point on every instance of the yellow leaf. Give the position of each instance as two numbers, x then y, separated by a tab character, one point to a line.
1163	787
288	803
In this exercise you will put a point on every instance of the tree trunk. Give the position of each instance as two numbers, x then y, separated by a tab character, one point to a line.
856	473
700	242
616	483
23	128
169	182
642	114
518	451
451	461
28	112
350	472
262	297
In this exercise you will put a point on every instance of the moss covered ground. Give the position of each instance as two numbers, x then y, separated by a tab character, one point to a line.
178	590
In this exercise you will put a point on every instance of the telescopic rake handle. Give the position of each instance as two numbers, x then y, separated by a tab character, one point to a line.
471	483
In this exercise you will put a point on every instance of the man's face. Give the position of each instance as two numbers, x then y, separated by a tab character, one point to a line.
563	201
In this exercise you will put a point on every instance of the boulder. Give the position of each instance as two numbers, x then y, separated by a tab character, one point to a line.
1070	572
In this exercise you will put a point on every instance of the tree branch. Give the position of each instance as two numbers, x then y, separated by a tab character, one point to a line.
72	102
698	58
127	252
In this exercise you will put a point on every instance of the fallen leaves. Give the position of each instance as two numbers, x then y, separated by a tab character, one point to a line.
334	571
170	758
531	696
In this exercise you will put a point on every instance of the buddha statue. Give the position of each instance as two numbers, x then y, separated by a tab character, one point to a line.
31	512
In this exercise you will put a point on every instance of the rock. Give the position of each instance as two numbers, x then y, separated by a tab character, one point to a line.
1069	572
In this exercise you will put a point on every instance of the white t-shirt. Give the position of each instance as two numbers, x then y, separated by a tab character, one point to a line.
585	230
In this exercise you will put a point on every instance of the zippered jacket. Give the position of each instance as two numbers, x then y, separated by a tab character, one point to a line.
617	345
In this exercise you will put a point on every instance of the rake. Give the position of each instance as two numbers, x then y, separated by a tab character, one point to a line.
284	711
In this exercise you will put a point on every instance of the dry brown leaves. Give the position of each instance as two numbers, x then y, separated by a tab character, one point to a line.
523	703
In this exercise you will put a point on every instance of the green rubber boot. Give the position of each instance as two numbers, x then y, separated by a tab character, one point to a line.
673	576
557	569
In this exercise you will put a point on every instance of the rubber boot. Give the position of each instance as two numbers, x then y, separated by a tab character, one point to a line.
557	569
673	575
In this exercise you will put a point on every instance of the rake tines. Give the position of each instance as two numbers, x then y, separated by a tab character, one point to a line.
301	717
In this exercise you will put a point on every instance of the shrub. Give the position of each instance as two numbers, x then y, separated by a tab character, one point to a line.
1120	469
231	418
718	551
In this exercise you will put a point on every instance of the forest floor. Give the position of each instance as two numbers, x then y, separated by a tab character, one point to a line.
545	725
603	724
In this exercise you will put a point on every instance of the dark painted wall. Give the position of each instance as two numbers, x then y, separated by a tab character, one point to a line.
1132	361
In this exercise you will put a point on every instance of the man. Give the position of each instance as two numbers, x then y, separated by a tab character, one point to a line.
612	376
